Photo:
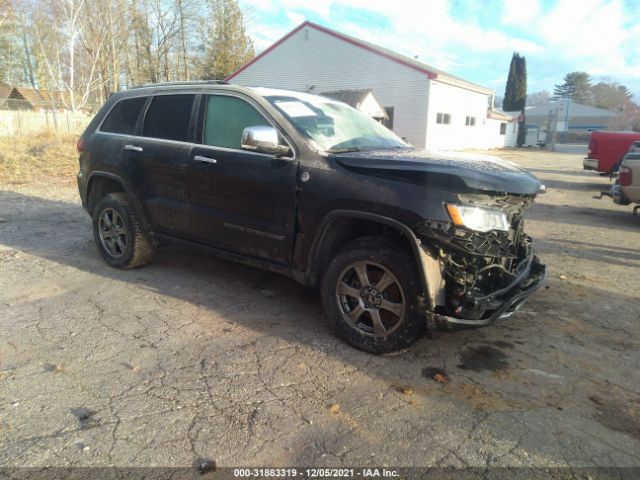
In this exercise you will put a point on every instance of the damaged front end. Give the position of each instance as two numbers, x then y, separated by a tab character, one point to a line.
480	266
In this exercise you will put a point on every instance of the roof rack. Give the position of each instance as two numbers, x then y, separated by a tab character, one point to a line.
191	82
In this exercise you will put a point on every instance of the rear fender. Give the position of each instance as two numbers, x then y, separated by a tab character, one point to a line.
137	205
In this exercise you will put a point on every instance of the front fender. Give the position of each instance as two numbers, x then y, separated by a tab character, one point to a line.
429	269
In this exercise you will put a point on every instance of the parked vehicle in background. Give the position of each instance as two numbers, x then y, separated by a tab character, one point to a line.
635	147
626	190
606	149
396	238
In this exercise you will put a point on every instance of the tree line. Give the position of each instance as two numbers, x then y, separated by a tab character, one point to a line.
577	87
90	49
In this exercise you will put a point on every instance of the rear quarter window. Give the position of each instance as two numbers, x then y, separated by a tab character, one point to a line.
123	116
168	117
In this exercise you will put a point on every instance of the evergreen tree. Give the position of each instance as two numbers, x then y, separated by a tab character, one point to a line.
229	47
576	87
515	95
510	90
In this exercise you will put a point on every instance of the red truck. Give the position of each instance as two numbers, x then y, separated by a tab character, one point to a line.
608	148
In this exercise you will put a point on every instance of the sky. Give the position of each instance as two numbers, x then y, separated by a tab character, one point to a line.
475	39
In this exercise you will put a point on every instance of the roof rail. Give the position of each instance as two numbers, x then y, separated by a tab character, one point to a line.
190	82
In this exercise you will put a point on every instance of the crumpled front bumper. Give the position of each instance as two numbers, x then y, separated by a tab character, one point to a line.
505	301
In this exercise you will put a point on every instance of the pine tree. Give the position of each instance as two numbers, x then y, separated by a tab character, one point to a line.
576	87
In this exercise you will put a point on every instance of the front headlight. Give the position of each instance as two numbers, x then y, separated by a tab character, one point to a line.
477	218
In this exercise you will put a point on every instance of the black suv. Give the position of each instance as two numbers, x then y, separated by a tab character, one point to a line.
399	240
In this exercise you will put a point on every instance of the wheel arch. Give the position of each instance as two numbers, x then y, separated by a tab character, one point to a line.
101	184
332	234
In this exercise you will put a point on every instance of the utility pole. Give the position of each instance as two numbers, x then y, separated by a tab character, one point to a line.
554	134
548	139
566	119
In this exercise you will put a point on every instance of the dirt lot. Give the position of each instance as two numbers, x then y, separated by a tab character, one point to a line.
195	358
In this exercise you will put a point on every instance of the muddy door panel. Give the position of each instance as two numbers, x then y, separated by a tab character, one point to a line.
158	173
243	202
158	160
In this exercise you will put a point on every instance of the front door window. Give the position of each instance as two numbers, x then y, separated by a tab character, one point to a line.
226	118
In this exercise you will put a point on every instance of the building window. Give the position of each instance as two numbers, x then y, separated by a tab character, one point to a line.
470	121
389	120
503	128
443	118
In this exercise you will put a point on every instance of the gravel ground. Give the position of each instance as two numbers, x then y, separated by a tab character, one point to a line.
195	358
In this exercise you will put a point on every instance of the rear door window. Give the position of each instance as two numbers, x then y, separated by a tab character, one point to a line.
123	117
168	117
226	118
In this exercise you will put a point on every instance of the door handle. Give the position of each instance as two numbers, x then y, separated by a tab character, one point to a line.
198	158
133	148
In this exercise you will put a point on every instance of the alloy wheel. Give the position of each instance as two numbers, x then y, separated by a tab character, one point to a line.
113	233
370	298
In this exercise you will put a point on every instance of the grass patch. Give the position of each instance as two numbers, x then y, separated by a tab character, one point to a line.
39	158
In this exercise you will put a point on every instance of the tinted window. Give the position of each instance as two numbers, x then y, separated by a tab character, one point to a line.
225	119
123	117
168	117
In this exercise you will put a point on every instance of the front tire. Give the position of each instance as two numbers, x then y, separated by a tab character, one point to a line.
118	235
370	289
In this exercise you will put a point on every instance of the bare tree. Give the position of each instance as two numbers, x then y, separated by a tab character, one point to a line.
68	68
538	98
610	95
89	49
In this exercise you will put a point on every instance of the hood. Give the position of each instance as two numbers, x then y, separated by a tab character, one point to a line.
456	171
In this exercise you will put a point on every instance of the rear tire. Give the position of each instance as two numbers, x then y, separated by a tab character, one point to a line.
118	235
371	291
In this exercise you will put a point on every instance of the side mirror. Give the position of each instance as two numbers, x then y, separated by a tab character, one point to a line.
263	139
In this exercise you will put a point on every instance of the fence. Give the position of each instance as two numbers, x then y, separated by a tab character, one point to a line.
26	122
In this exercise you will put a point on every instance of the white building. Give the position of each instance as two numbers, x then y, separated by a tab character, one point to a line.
363	100
570	116
429	107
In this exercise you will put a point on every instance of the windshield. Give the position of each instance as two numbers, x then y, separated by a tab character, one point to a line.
333	126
